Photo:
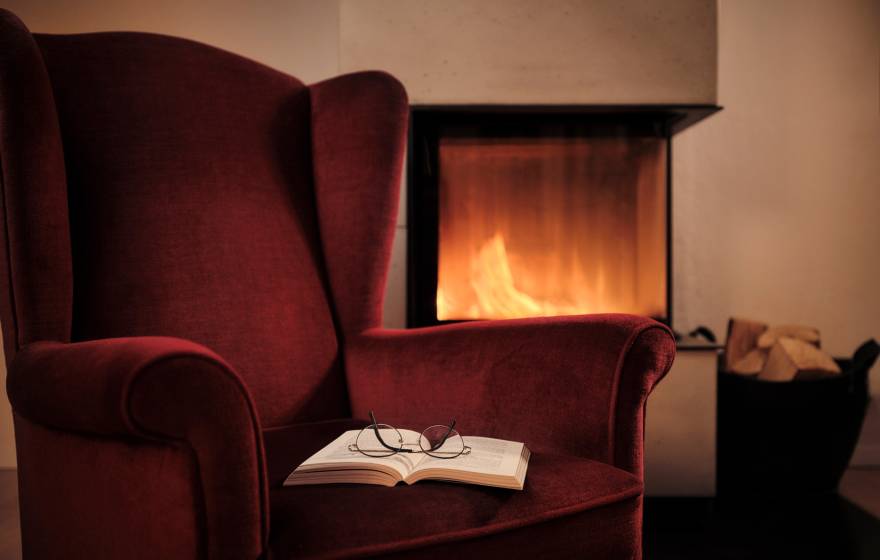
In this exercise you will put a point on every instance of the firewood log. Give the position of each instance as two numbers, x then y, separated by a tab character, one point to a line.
791	358
769	337
750	364
742	337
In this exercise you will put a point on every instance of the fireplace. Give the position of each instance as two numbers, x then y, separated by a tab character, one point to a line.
528	211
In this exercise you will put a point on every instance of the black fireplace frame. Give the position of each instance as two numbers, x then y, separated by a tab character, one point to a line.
426	124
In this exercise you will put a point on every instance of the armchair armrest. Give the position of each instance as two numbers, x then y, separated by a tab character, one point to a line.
165	389
575	385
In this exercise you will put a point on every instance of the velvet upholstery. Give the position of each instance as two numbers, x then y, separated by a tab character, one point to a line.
35	238
193	255
555	383
197	222
587	506
358	145
156	389
86	496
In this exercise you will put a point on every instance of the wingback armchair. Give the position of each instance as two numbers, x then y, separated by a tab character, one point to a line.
193	256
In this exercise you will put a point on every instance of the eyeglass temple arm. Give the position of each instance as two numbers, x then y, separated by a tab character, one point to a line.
379	436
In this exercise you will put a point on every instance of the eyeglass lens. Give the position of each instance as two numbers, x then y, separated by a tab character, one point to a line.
387	443
441	442
383	440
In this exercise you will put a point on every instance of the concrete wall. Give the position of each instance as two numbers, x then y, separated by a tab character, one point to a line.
775	199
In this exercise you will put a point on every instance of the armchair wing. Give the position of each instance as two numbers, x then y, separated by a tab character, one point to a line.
153	390
573	385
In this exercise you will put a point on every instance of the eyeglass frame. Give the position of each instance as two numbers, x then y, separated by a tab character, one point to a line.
466	449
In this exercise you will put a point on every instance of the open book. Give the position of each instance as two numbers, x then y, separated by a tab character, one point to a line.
491	462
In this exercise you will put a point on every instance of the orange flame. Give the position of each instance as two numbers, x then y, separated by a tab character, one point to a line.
552	227
497	296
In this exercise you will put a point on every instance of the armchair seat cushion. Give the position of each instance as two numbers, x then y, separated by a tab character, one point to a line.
570	507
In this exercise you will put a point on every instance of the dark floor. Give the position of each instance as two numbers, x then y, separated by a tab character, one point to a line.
805	528
832	527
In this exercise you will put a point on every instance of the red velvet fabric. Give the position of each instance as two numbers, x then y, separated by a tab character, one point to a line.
88	497
35	263
570	508
358	145
572	385
149	389
193	249
189	180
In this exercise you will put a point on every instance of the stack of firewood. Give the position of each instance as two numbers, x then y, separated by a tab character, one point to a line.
781	353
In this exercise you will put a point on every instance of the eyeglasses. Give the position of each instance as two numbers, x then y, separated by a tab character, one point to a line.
382	440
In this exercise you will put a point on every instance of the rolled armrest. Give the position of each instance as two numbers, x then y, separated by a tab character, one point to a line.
574	385
164	389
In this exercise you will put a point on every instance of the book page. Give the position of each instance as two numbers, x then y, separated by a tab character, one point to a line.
349	476
337	456
488	456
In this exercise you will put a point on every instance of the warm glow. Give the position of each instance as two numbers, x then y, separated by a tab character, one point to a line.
496	294
551	227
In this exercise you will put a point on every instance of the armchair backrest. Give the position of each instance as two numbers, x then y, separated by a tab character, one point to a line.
157	186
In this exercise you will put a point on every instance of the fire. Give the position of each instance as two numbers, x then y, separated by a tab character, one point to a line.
550	227
496	293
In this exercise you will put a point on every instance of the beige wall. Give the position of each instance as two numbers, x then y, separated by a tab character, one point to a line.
775	199
7	435
776	204
300	37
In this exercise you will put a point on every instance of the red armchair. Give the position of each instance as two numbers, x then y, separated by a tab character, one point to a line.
192	261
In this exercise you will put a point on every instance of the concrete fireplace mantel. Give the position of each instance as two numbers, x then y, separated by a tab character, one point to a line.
520	51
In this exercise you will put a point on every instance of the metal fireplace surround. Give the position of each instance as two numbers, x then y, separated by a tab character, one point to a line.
429	123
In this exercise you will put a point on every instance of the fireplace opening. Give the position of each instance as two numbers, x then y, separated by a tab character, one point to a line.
526	213
551	226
